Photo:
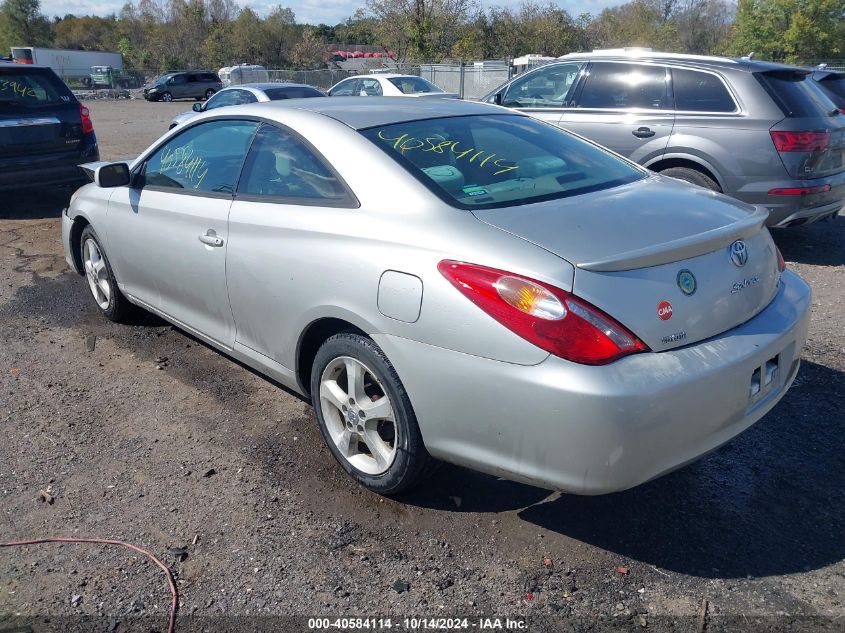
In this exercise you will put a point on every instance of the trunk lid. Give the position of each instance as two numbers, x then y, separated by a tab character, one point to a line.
808	110
657	256
38	114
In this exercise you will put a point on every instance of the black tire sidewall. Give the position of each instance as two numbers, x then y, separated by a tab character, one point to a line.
410	454
692	176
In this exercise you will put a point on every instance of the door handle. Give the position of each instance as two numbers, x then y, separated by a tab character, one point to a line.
643	132
211	239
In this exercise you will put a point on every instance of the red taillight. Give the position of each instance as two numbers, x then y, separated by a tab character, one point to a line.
800	141
781	260
798	191
544	315
87	123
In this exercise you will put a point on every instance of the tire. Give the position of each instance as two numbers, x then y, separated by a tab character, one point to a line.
687	174
382	450
209	93
101	281
166	97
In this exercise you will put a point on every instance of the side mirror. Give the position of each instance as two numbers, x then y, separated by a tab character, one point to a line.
112	175
197	107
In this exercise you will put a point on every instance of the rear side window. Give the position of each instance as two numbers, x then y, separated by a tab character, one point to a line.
700	92
275	94
492	161
25	89
624	86
796	93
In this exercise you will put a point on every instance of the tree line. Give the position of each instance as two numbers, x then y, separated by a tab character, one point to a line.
160	35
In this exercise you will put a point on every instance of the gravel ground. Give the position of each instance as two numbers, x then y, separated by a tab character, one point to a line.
141	433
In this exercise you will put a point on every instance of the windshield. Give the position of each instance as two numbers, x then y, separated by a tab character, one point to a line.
797	94
834	86
24	89
490	161
413	85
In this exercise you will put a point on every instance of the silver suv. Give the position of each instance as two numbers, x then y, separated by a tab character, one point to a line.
763	133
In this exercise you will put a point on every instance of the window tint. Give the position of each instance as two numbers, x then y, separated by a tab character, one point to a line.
413	85
622	86
344	88
547	87
796	93
206	157
25	89
177	79
700	92
275	94
281	165
834	87
499	160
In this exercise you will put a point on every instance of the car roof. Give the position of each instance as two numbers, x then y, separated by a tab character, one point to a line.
736	63
360	113
382	75
268	85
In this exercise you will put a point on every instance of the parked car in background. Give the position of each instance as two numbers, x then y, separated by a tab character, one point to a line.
387	85
243	74
760	132
518	300
250	93
196	84
45	133
832	82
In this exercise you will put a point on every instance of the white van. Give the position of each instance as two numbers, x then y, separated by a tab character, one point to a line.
243	74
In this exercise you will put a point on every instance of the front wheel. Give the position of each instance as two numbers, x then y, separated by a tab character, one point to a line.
101	281
365	415
167	97
687	174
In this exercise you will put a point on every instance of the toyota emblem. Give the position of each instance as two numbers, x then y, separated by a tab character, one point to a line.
739	253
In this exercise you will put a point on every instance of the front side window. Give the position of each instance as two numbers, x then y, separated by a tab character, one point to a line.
548	87
344	88
177	80
223	98
206	157
700	92
491	161
617	86
280	165
413	85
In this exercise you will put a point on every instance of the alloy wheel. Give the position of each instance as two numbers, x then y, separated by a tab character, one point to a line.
96	273
359	415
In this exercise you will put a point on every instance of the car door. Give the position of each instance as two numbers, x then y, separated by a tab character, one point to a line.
624	106
288	203
178	86
171	225
544	92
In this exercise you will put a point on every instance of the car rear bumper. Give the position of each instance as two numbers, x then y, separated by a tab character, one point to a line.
792	210
27	172
595	430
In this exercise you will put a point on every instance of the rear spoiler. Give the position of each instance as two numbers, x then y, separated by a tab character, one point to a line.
682	248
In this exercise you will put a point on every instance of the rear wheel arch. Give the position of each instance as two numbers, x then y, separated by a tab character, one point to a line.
686	163
312	338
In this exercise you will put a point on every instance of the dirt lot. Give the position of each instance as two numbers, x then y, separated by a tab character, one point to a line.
141	433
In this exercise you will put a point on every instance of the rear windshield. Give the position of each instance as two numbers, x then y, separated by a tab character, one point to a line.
24	89
275	94
413	85
491	161
796	94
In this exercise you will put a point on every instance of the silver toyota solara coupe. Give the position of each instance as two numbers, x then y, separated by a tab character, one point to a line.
452	280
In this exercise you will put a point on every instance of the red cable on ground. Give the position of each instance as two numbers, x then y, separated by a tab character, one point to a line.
174	605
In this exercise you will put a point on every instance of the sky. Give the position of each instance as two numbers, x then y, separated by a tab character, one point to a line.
306	11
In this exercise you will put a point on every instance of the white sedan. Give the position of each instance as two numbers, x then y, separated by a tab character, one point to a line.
387	85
